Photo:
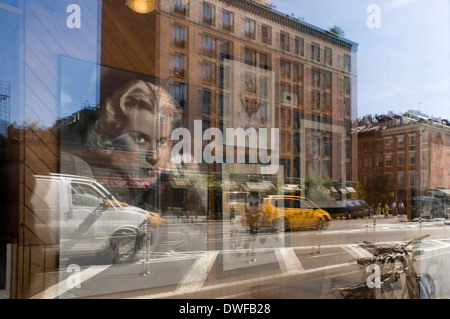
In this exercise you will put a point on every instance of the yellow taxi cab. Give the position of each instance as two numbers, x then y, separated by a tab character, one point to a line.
288	212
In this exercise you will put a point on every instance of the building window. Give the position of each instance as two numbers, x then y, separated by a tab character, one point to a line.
366	162
179	36
285	69
400	159
179	93
296	122
297	92
377	161
181	7
209	45
424	157
315	78
400	178
284	41
328	56
178	63
347	107
263	86
388	143
347	85
412	140
208	14
249	29
250	56
208	73
326	102
315	52
266	34
412	178
299	45
326	80
378	144
227	21
264	62
347	62
206	101
297	72
424	138
387	160
225	49
412	158
296	145
326	147
424	178
285	93
315	100
400	141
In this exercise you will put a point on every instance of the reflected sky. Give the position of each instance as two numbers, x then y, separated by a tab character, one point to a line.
402	65
38	37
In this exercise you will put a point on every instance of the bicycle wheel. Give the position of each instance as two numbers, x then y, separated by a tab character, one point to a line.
427	289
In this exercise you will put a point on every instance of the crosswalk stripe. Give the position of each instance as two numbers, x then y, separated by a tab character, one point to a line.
63	286
288	260
198	273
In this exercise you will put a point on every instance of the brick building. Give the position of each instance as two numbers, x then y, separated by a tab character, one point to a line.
403	156
305	79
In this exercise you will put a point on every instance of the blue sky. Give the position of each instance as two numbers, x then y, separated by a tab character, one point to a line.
403	64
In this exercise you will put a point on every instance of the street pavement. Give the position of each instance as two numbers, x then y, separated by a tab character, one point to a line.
189	264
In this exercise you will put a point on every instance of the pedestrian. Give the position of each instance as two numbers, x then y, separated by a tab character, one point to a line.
394	209
379	209
401	208
386	210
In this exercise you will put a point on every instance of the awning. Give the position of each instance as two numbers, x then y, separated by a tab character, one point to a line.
230	185
343	191
180	183
333	190
118	182
351	189
291	187
257	186
445	191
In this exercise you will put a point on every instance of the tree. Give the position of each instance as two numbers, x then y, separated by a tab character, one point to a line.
336	30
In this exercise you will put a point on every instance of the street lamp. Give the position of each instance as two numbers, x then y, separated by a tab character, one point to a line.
142	6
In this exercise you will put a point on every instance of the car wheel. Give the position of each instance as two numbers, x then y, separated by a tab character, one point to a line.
124	247
322	224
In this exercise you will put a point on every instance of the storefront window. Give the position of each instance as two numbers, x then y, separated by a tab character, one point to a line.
194	152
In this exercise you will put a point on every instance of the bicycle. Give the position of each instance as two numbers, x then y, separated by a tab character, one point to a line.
392	274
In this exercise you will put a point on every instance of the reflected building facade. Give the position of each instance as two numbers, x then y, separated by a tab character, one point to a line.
403	156
214	67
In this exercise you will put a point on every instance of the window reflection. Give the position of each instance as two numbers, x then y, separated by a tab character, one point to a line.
210	144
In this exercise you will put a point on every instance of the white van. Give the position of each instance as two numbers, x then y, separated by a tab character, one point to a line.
88	219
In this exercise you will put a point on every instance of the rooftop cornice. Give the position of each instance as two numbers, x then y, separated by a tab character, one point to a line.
291	23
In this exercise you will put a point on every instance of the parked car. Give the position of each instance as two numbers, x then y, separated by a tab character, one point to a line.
88	219
355	209
336	208
367	209
287	212
427	207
